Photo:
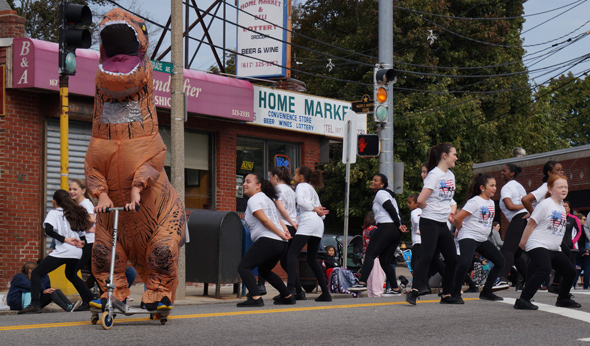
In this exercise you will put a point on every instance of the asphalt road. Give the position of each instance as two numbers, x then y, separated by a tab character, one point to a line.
344	321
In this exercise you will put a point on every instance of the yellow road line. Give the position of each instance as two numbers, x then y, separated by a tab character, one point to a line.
218	314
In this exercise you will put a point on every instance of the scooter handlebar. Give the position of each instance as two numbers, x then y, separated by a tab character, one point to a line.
108	210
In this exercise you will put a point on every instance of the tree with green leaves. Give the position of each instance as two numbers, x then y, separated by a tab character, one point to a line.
461	80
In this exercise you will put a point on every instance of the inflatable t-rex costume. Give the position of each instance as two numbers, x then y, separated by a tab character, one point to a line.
125	156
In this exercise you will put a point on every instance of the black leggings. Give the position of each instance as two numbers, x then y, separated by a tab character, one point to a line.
58	297
488	250
285	260
541	261
87	259
569	254
435	235
510	250
50	264
264	254
383	243
313	244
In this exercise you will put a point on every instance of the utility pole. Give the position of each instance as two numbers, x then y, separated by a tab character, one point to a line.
386	57
177	127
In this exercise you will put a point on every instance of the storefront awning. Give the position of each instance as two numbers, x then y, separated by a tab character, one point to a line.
35	65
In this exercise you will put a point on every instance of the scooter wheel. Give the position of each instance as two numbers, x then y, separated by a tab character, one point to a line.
106	321
163	321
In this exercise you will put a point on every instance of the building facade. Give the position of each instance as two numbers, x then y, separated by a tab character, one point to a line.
232	128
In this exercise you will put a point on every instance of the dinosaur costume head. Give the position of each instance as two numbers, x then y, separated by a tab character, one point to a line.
124	79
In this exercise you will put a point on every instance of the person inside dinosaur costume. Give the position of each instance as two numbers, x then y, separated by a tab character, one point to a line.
125	167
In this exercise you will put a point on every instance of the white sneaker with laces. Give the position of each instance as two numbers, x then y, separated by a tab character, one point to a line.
391	293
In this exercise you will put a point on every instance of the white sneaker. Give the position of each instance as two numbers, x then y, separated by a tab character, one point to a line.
391	293
75	306
358	287
500	286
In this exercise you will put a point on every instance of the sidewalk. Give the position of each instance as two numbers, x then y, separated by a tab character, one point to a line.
194	294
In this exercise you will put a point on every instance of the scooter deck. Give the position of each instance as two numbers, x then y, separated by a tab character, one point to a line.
132	311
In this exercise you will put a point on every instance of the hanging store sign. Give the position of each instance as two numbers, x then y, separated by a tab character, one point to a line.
262	38
293	111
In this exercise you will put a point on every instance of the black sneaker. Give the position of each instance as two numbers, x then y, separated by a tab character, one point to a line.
31	309
523	304
324	297
567	303
358	287
277	297
412	296
285	300
553	289
251	303
300	296
451	300
83	307
489	296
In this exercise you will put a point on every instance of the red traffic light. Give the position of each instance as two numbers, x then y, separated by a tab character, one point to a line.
368	145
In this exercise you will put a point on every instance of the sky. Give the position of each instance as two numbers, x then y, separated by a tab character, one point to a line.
540	32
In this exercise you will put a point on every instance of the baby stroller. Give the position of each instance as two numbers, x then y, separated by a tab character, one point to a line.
354	252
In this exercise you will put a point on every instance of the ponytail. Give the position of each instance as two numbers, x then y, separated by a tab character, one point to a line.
313	177
74	213
548	167
436	154
514	169
282	172
266	186
474	189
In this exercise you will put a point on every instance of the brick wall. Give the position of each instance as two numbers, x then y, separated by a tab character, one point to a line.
11	25
21	158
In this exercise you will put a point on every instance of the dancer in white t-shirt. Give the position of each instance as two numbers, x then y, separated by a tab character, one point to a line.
310	215
435	201
510	203
66	223
385	238
474	223
542	242
286	203
80	195
270	236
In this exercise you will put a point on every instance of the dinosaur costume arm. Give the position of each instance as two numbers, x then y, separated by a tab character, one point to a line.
148	173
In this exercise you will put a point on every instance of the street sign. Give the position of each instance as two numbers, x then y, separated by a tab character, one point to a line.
161	66
350	138
365	105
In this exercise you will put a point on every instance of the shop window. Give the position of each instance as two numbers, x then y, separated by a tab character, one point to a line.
198	192
254	155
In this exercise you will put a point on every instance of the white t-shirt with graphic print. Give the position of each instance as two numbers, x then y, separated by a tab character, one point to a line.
438	204
478	224
551	220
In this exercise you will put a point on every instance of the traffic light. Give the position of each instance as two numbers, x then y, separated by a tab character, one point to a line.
71	37
368	145
383	78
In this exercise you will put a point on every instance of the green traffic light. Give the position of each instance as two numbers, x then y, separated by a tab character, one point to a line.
70	63
381	113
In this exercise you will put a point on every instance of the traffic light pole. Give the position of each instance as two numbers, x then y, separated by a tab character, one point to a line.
386	57
63	132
